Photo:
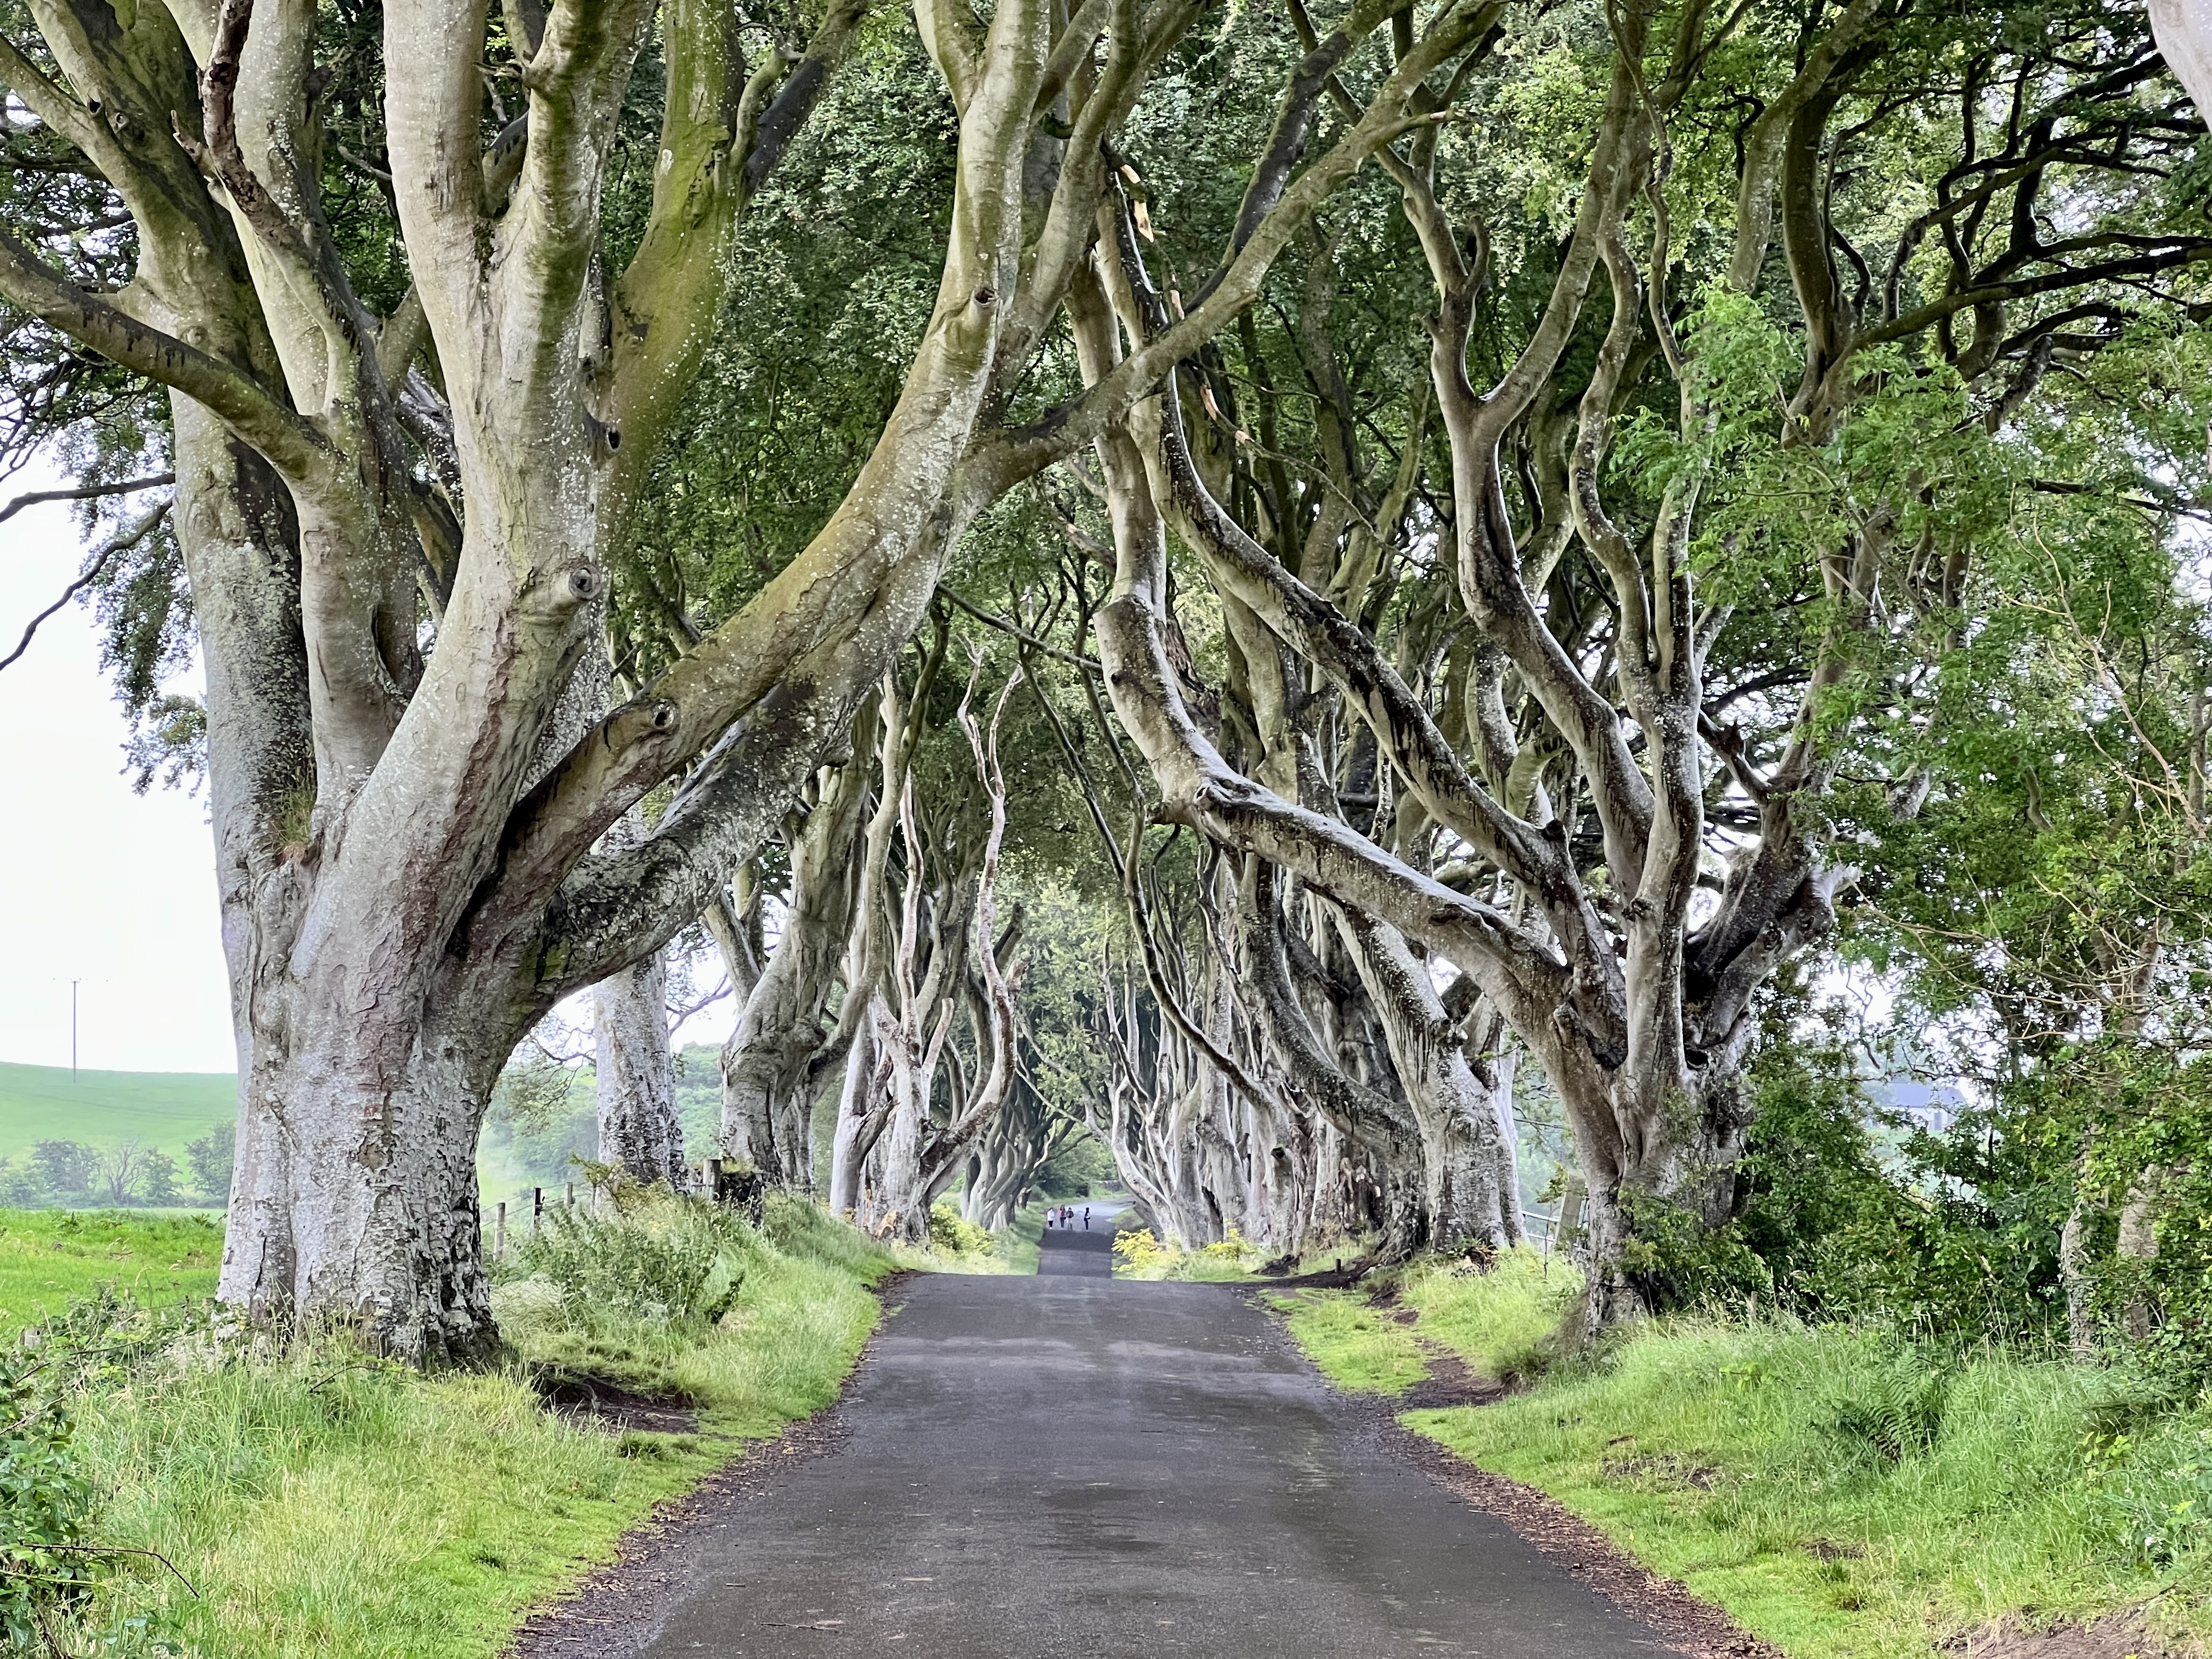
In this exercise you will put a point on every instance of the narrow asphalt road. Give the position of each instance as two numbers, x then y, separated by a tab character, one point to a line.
1084	1254
1070	1464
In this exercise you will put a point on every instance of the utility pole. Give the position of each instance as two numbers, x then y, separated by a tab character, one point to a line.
72	1030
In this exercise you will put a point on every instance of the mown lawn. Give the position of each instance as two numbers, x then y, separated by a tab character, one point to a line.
1845	1494
50	1258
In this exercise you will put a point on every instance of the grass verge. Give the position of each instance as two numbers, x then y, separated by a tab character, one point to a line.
324	1503
1844	1494
1494	1320
1017	1243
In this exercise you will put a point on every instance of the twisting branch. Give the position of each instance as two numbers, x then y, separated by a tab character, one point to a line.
92	572
1131	875
1406	734
85	493
290	444
998	991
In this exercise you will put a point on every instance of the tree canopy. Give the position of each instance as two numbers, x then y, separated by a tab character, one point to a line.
1284	588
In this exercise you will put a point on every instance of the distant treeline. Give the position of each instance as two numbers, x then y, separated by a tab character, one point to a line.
127	1172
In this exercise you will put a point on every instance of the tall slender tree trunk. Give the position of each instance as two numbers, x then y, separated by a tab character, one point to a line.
861	1114
773	1060
894	1201
639	1132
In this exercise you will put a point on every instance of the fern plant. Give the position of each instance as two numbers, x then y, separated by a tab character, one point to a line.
1896	1408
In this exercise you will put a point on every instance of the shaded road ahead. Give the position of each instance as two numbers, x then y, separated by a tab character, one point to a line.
1072	1251
1068	1464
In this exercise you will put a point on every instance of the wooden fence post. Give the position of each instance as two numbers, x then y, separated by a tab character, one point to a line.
499	1236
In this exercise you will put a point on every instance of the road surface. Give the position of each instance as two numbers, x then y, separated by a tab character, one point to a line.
1084	1254
1071	1464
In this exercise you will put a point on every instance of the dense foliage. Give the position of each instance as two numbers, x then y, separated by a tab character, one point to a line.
1673	602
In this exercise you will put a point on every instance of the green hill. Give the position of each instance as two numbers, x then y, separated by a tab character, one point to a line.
161	1108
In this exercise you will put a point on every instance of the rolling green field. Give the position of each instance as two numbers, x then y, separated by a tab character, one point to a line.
161	1108
50	1258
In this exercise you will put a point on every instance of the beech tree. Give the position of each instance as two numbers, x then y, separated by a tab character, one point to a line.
397	518
1816	263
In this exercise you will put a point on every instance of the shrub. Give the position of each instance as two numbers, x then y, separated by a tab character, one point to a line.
656	1256
1141	1254
1676	1260
1896	1408
43	1500
949	1231
1139	1249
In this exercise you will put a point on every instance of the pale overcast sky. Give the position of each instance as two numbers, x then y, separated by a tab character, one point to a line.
100	884
97	884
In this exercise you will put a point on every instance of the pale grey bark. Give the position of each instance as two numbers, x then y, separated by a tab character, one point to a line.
639	1133
1003	1167
859	1121
1647	1071
1466	1162
1153	1089
403	896
2137	1243
920	1151
2184	30
783	1045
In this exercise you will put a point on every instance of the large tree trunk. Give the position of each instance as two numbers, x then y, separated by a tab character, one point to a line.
1467	1164
639	1131
403	895
773	1063
391	1250
860	1116
2184	32
895	1199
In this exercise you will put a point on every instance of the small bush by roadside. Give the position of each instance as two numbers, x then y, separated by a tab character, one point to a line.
1141	1254
953	1234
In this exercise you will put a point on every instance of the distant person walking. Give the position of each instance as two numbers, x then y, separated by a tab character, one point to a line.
1086	1217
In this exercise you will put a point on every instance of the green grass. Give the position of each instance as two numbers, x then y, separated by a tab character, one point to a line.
1748	1461
166	1109
50	1258
1495	1320
1019	1241
326	1504
1354	1344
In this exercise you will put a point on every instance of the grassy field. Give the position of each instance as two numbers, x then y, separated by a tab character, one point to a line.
1844	1495
162	1108
322	1502
50	1258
